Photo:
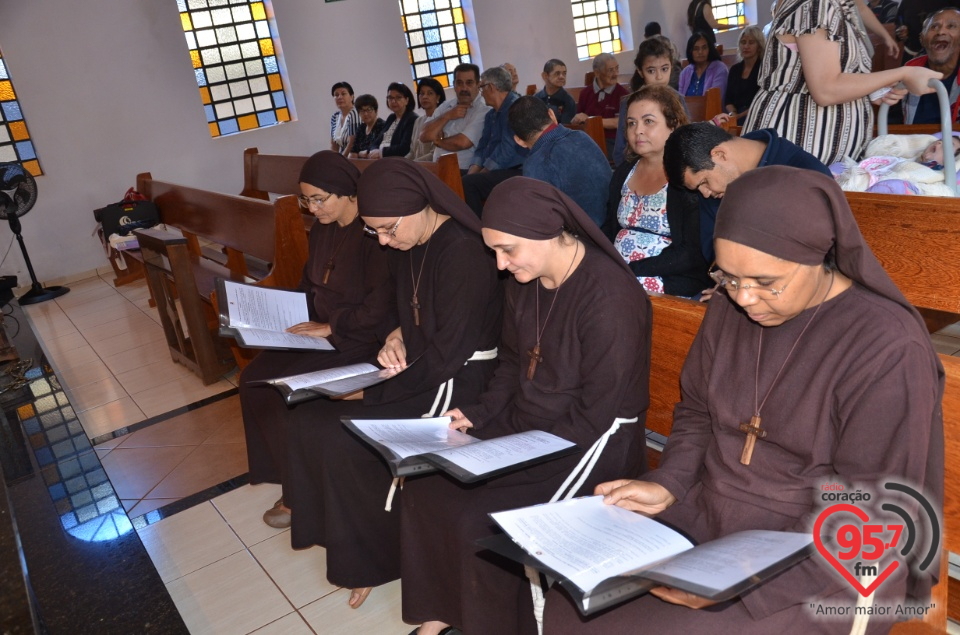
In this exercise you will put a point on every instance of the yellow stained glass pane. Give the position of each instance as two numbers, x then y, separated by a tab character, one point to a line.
195	58
614	19
404	19
283	114
458	15
248	122
444	81
617	46
594	49
25	412
266	46
18	130
214	129
205	95
275	83
259	13
6	91
185	21
33	167
410	55
464	47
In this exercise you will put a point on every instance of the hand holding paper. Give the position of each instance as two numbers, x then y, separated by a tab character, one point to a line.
636	496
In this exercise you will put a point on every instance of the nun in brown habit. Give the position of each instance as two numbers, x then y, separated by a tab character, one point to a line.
449	304
349	295
574	359
810	342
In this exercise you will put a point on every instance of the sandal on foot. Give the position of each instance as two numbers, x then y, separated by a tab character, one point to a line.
362	593
277	517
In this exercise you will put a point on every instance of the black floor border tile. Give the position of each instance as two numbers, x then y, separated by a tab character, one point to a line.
187	502
146	423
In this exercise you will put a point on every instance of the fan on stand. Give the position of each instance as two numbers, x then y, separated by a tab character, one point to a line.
18	193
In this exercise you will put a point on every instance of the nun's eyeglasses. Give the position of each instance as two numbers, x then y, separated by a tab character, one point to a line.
732	284
383	232
306	202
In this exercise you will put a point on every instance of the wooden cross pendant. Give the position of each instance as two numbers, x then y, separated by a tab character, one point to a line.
753	432
415	303
327	268
535	357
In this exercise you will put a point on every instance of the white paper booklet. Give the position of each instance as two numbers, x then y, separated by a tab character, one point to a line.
604	554
413	446
333	382
258	317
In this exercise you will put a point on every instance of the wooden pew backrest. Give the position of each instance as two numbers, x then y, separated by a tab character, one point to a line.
675	324
917	240
706	107
593	126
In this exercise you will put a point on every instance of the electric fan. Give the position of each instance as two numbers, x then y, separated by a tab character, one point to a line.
18	193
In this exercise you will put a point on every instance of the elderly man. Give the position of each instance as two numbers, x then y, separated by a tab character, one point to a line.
707	158
567	159
602	97
514	78
457	125
557	99
498	157
941	40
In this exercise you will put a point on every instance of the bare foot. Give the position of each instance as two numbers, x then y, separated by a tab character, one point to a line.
357	596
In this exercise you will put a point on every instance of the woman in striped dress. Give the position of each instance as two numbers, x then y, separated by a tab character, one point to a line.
823	104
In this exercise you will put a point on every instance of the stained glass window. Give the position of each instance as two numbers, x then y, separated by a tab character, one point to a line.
236	59
15	143
597	28
729	12
436	37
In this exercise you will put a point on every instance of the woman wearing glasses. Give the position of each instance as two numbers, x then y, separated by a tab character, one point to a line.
810	368
444	337
349	295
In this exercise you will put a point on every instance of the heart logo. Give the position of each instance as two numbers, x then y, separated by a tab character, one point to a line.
862	515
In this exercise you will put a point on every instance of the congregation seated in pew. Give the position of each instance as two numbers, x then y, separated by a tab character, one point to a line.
553	94
602	97
430	96
458	125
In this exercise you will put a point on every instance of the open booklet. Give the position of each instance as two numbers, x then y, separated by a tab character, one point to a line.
416	446
332	382
258	317
603	554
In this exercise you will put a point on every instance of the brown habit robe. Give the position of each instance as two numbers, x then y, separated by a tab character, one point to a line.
858	402
596	365
357	298
337	484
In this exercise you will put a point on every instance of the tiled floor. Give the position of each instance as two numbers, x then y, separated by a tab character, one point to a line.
108	349
225	569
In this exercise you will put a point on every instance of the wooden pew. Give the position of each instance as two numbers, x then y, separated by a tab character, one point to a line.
593	126
706	107
245	228
265	174
531	90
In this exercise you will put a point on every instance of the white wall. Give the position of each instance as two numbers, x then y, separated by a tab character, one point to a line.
108	91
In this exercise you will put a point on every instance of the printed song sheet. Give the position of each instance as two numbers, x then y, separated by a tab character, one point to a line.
264	308
320	377
587	542
496	454
411	437
258	338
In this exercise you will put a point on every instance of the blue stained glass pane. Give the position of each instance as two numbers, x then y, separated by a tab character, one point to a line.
229	126
271	64
432	36
426	5
434	52
266	118
44	456
429	19
69	521
279	99
465	59
201	78
3	70
182	5
210	115
57	492
461	32
438	68
11	111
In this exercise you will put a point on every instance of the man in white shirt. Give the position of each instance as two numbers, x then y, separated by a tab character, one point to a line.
458	125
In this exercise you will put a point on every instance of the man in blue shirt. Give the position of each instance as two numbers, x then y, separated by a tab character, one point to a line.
567	159
554	95
707	158
498	157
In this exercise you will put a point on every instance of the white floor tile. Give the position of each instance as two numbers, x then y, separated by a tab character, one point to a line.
331	615
300	574
230	597
189	541
243	508
291	624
